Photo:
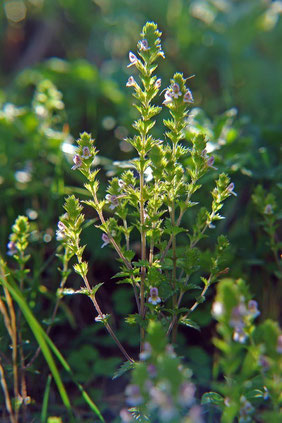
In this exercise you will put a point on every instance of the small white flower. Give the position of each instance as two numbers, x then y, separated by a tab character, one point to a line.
158	83
187	394
154	296
188	97
217	309
279	344
133	59
230	189
253	308
121	184
147	351
12	249
60	235
268	209
101	318
61	226
105	239
143	45
77	162
168	97
133	394
85	153
175	91
113	200
210	162
131	82
239	335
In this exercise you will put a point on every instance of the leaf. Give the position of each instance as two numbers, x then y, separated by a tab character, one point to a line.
44	409
47	346
212	398
190	323
96	287
125	367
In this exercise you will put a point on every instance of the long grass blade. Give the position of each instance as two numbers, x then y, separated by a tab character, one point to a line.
47	346
44	409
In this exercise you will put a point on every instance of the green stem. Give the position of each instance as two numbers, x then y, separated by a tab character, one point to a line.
143	258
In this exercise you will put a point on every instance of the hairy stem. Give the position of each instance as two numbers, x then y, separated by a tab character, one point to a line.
143	258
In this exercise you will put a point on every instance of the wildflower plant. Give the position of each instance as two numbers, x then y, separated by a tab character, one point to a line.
250	358
149	201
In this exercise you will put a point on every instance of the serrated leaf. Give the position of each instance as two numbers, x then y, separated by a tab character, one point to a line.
212	398
96	287
125	367
190	323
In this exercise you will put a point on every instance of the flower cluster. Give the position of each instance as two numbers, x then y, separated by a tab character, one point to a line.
175	92
153	391
240	319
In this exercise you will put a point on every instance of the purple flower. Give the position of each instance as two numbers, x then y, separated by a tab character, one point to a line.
195	414
239	335
85	153
170	350
154	296
253	308
61	226
125	416
133	394
143	45
175	91
12	249
101	318
168	97
121	183
131	82
279	344
230	189
105	239
210	162
152	370
237	316
268	209
133	59
186	395
113	200
77	162
188	97
146	353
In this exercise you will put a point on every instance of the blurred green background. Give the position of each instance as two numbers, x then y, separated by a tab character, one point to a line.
63	71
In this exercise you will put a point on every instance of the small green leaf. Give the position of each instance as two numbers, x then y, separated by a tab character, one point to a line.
212	398
125	367
190	323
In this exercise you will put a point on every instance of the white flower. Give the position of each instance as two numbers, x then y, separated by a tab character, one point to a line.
168	97
158	83
230	189
188	97
176	91
113	200
85	153
12	249
106	240
143	45
154	296
134	397
77	162
217	309
133	59
131	82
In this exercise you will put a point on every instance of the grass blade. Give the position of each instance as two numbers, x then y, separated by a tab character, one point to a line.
44	409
